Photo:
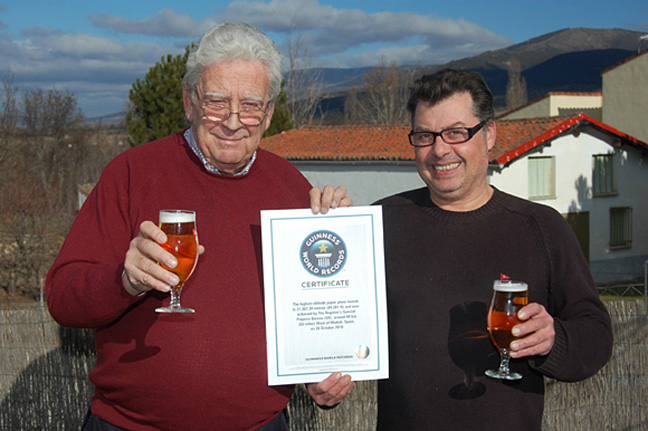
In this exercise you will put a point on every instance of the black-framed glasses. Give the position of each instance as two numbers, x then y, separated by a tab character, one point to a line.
453	135
249	114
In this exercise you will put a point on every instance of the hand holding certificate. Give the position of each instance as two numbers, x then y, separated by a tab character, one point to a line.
325	296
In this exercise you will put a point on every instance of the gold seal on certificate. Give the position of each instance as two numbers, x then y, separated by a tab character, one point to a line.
325	299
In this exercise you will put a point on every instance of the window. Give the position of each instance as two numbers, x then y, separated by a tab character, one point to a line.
541	178
602	175
620	227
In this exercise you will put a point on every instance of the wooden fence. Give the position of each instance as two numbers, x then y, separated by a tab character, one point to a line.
44	386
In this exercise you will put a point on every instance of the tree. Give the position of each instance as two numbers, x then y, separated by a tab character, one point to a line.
9	113
38	182
304	86
8	129
156	109
46	152
516	88
56	148
383	97
281	118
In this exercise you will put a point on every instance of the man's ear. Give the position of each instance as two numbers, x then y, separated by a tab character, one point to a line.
188	104
491	133
268	118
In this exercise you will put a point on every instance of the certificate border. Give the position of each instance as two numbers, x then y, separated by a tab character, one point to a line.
282	378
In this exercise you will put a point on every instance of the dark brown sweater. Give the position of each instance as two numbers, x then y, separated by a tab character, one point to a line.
440	268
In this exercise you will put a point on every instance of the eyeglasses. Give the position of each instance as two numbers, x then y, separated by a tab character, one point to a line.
251	113
454	135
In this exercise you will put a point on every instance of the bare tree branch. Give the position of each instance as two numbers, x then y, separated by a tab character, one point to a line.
383	98
304	85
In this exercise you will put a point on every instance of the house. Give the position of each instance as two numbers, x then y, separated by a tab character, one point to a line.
371	161
625	95
622	104
592	173
559	104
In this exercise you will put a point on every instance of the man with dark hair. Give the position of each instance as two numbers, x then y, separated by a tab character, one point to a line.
445	244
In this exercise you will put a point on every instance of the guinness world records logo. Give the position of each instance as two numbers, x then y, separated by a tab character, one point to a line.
323	253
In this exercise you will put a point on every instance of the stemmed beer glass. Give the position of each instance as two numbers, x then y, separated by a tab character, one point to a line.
507	299
182	241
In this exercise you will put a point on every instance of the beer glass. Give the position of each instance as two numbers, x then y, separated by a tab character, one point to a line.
507	299
182	242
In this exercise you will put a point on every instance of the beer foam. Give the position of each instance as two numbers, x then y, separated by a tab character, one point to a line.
510	286
170	216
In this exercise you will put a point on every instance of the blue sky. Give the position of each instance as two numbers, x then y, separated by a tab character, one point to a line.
97	49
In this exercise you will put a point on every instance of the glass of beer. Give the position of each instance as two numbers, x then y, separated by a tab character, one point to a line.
182	242
507	299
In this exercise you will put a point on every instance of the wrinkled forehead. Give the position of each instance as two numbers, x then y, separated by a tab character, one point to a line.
240	79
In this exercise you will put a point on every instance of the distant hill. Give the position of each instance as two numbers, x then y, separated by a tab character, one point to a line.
543	48
341	79
565	60
111	120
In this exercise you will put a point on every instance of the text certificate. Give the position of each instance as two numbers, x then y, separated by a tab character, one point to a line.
325	299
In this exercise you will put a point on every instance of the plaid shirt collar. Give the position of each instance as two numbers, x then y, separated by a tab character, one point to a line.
189	136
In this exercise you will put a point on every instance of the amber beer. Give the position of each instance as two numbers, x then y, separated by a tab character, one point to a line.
508	297
182	241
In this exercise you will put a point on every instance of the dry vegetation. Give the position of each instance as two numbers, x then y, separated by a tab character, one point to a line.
46	152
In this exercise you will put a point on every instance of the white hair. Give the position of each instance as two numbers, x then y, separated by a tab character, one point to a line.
231	41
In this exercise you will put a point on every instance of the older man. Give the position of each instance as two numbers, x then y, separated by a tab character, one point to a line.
207	370
445	245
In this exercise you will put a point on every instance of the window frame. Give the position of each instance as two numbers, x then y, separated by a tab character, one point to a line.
609	180
624	215
551	176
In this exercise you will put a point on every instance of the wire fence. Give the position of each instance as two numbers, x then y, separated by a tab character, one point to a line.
44	385
620	291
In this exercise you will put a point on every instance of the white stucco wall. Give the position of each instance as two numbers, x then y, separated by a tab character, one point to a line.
365	182
573	165
625	97
541	108
560	105
568	104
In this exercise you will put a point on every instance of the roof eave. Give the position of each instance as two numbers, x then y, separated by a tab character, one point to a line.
566	126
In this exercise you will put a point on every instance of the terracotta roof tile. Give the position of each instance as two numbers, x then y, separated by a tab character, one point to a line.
520	135
389	142
505	152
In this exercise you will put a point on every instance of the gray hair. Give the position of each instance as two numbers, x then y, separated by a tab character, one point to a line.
231	41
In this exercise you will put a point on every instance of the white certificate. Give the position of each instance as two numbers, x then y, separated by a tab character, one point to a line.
325	300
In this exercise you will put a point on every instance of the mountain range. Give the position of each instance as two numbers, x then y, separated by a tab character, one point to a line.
566	60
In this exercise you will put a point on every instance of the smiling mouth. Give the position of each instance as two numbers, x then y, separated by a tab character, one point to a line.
448	167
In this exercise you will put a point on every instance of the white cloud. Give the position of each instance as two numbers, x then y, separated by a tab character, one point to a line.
165	23
103	67
340	32
98	70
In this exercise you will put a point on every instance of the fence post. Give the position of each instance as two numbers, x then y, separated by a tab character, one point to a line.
646	284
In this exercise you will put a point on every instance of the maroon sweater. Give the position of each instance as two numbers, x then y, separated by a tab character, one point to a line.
440	269
205	371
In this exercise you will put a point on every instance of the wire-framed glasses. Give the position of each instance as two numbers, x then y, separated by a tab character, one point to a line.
453	135
250	113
